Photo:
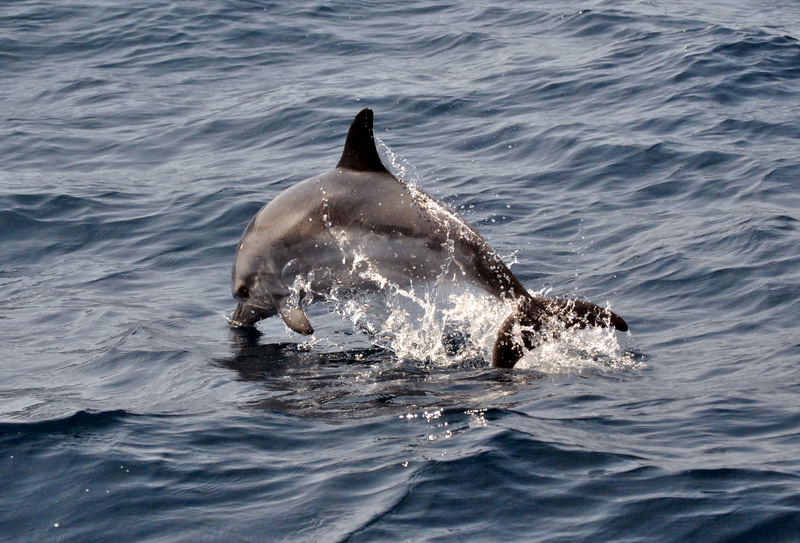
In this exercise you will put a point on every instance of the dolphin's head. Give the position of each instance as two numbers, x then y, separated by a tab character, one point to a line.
258	280
251	309
256	284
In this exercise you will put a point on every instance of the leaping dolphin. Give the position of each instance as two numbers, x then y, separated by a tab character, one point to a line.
338	227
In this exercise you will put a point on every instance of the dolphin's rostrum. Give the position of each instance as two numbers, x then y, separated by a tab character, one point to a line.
356	225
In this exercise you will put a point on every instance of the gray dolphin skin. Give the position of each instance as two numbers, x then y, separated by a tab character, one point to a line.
357	225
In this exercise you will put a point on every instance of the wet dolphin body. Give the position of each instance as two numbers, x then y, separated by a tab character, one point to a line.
357	224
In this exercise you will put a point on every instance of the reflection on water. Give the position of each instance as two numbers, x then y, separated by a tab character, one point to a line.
362	382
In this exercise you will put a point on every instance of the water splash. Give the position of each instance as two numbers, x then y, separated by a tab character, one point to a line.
448	324
398	166
440	322
591	350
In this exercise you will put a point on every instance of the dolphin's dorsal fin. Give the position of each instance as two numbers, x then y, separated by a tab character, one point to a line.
359	152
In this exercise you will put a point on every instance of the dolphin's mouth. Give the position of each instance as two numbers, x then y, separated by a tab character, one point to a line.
247	314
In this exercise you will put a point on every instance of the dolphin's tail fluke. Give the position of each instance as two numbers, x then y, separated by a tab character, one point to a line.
532	323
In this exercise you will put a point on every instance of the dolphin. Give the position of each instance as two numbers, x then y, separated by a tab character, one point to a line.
358	225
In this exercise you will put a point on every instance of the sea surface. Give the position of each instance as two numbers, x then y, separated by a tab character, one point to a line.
640	155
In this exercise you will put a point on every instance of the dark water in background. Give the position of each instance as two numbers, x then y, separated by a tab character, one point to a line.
643	154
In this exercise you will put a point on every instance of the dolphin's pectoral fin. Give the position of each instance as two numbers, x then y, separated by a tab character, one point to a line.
527	327
295	318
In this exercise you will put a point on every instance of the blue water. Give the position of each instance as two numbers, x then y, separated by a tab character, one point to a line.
633	153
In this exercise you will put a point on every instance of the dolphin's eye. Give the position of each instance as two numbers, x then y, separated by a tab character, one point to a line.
242	292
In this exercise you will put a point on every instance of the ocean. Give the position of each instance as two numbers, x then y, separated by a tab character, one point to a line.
638	155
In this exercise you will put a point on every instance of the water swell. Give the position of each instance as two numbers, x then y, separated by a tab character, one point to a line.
78	425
